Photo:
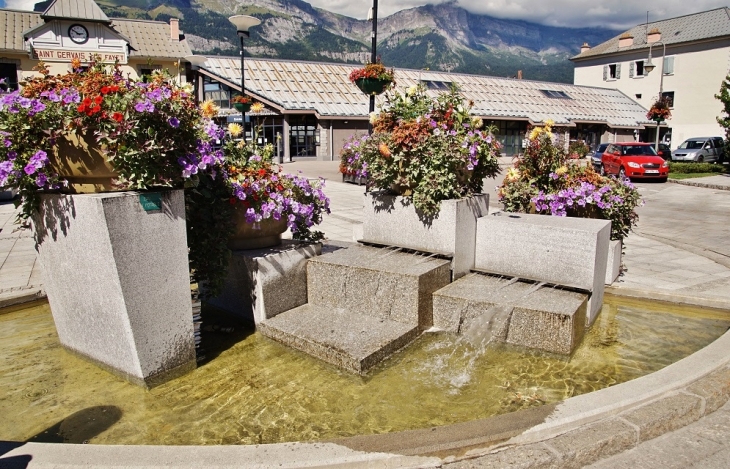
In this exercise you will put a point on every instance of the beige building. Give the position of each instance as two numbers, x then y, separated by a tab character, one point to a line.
70	29
694	65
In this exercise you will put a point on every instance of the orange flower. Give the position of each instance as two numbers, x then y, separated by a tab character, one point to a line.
75	64
384	150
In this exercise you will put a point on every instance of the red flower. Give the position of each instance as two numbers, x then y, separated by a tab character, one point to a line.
98	100
104	89
81	108
262	172
118	116
95	109
114	88
86	102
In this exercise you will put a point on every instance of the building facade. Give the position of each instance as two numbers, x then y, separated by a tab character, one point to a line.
692	57
311	109
79	29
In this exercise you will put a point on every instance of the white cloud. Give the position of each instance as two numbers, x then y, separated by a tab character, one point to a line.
20	4
618	14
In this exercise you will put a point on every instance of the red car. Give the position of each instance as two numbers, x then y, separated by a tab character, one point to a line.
634	160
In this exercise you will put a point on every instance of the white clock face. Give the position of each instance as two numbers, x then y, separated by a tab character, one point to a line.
78	34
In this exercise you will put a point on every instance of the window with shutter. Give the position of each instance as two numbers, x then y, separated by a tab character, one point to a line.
618	71
605	72
631	69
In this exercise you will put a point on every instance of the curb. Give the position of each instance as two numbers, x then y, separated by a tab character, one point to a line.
679	299
14	297
688	182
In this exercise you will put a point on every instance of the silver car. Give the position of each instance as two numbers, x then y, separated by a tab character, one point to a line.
700	149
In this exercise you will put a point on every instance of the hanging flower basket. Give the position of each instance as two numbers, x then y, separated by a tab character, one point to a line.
241	103
660	110
373	78
372	85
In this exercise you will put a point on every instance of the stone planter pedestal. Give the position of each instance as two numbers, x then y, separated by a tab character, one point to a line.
613	264
391	221
115	268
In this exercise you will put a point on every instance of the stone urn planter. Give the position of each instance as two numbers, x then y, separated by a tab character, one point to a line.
80	160
372	86
247	235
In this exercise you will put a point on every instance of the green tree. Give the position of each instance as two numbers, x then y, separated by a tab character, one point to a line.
724	120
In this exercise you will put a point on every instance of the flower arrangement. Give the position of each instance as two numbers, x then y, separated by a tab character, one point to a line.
427	149
660	110
241	99
373	71
352	162
260	187
544	181
148	132
578	149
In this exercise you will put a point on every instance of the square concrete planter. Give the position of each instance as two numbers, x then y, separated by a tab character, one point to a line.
392	221
613	264
115	268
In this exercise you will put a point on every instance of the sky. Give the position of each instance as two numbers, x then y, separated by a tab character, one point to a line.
612	14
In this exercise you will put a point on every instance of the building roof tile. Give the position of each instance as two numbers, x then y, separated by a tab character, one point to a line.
325	89
712	24
75	9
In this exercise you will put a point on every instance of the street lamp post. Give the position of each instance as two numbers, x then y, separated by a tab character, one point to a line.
196	61
373	54
648	67
242	24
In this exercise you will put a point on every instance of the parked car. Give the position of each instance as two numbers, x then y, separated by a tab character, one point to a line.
664	151
699	149
596	156
634	160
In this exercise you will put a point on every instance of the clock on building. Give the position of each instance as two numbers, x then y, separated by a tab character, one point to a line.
78	33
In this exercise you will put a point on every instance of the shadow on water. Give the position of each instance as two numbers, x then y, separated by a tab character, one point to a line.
80	426
220	332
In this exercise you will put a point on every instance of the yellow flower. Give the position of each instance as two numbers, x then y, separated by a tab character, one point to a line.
477	122
209	108
187	87
257	107
561	170
235	129
373	117
536	131
412	90
549	124
513	174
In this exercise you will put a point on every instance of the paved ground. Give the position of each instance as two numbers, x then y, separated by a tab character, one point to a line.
679	252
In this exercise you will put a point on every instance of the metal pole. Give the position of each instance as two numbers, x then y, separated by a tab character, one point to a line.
373	55
243	93
661	90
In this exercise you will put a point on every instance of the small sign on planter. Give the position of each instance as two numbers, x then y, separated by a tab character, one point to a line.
151	202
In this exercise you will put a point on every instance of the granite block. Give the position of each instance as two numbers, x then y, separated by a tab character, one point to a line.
520	313
549	319
117	281
713	388
380	283
257	278
564	251
393	221
665	415
591	443
347	339
613	263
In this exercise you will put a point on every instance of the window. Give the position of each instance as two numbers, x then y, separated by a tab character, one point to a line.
611	72
637	69
669	65
302	135
638	95
555	94
9	77
219	93
670	96
437	85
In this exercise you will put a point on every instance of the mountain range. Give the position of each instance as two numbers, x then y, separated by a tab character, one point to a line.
435	37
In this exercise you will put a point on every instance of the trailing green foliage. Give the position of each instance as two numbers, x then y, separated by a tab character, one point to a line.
724	120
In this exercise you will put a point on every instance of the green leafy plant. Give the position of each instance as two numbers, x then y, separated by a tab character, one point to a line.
429	149
545	180
148	132
578	149
690	167
724	120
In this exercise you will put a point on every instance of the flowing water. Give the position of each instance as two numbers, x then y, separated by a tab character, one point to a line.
253	390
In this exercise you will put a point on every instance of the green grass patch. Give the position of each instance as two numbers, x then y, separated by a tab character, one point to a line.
690	175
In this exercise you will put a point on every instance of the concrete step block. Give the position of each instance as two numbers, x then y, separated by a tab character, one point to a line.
380	283
517	312
347	339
